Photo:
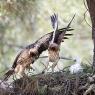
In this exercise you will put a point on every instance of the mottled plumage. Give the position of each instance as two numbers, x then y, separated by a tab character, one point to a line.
54	45
53	52
31	53
53	49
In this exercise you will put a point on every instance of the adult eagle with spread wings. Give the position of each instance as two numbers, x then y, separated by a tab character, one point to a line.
32	52
55	42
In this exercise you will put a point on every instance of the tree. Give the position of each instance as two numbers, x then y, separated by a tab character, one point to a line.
91	8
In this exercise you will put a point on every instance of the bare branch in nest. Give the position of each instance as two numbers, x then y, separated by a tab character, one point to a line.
91	88
83	87
59	58
57	83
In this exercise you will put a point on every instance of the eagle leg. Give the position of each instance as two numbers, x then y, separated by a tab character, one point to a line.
46	67
54	65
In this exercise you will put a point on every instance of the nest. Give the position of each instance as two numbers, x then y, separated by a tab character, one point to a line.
58	83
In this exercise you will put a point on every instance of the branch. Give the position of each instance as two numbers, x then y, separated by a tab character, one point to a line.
91	87
59	58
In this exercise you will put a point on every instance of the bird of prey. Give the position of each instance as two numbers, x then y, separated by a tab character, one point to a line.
76	68
31	53
54	44
54	48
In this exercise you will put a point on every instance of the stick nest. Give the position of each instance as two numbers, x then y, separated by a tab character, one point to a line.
58	83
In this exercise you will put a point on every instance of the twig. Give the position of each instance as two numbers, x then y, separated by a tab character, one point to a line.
59	58
65	68
89	89
83	87
43	56
67	58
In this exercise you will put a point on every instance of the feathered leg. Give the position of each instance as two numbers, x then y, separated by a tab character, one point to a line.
46	66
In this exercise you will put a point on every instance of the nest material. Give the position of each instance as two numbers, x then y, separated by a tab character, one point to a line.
59	83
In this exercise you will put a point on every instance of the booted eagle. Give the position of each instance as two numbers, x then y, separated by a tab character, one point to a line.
54	44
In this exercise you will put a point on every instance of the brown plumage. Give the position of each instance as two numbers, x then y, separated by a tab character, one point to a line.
53	52
54	45
22	62
53	49
31	53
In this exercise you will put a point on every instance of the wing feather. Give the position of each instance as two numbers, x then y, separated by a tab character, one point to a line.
60	36
42	44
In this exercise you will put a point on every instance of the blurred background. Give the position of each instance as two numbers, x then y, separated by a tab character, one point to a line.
22	22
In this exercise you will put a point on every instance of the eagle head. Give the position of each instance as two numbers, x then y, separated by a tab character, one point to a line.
53	47
33	52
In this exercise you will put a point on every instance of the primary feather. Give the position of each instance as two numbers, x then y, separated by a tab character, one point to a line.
57	38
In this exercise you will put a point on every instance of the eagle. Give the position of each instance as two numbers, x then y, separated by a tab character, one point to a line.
54	44
31	53
54	48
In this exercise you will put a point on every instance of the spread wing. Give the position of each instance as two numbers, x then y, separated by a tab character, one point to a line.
41	45
43	42
60	36
54	22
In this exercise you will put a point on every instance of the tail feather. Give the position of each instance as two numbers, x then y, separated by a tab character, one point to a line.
8	74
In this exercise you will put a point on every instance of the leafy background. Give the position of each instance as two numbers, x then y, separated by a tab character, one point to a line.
22	22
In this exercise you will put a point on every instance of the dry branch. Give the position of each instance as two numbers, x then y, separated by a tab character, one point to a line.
58	83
